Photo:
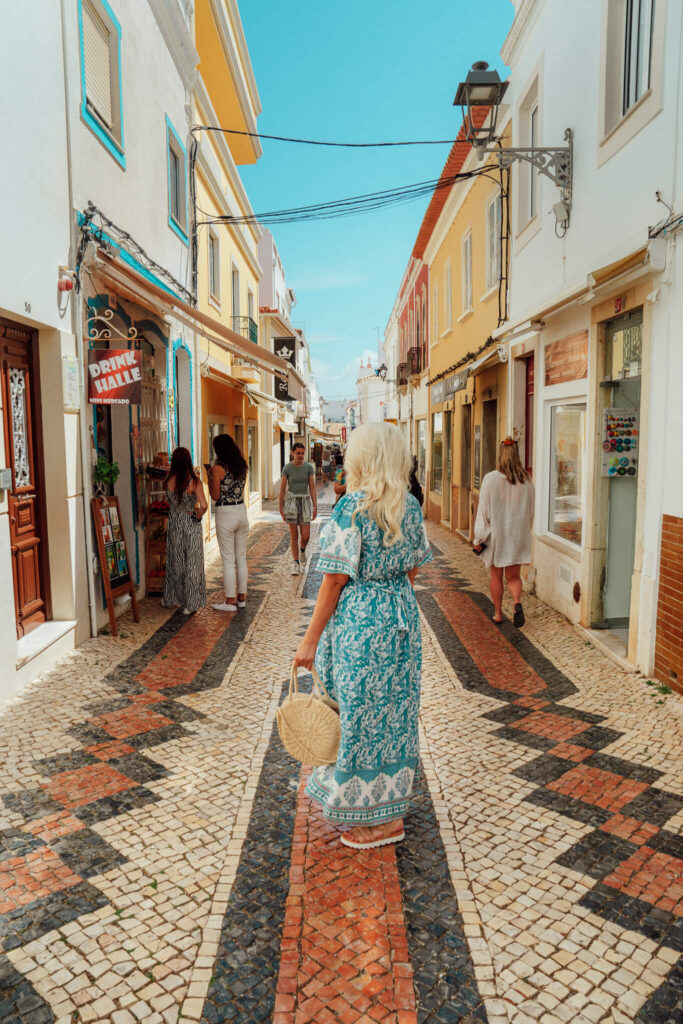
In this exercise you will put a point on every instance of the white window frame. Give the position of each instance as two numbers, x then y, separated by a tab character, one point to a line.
214	274
177	190
434	333
562	394
448	296
493	242
617	127
527	181
466	271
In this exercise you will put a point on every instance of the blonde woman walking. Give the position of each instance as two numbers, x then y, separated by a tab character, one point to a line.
502	531
365	638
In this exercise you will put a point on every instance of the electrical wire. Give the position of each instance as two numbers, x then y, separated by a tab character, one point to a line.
350	206
321	142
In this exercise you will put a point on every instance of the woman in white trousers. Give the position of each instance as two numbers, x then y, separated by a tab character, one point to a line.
227	480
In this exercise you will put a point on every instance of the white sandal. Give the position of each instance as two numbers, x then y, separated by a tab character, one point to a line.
372	844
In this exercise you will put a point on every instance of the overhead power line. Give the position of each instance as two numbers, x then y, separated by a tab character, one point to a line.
321	142
346	207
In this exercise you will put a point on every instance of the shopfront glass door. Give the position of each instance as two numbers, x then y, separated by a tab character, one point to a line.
621	432
447	467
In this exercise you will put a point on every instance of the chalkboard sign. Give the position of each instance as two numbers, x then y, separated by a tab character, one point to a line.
113	555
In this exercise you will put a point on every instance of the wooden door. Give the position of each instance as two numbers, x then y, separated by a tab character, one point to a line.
28	540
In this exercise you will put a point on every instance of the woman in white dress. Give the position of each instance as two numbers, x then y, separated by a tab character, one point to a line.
502	531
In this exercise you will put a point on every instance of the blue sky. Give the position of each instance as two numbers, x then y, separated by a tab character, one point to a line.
362	71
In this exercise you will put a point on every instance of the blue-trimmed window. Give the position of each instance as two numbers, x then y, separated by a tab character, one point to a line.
101	93
176	157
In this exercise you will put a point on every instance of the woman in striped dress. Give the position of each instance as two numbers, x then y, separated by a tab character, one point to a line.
184	582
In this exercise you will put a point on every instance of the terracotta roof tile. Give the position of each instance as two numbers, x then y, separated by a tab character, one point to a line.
453	166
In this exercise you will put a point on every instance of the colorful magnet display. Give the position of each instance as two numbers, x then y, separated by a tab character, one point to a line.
620	442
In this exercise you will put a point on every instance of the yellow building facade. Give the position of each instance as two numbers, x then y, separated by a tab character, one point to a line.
227	266
467	258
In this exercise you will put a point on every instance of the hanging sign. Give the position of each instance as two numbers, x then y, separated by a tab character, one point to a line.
114	376
567	359
285	348
113	555
620	433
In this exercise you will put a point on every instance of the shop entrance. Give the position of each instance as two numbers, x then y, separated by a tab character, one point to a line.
447	467
620	434
26	496
465	470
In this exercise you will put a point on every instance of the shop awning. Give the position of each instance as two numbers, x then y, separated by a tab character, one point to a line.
260	398
288	427
483	361
165	301
321	435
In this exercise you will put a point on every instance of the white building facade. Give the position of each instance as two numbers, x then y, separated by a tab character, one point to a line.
595	361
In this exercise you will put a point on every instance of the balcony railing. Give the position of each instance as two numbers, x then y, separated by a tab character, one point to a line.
402	374
247	327
414	361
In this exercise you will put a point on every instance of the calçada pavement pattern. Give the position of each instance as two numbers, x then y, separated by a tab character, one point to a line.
159	859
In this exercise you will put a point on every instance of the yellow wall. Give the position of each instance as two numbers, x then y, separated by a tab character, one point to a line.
220	84
467	333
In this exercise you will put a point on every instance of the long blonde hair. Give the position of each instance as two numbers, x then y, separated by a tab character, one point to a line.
377	462
510	463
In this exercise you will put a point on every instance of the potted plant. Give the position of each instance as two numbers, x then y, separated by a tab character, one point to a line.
105	474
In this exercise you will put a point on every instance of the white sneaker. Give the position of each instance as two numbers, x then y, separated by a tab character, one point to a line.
187	611
296	569
302	556
241	604
224	607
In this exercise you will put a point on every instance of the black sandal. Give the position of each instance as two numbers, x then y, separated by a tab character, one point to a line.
518	619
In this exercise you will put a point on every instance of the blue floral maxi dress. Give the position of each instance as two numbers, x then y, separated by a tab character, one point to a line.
370	658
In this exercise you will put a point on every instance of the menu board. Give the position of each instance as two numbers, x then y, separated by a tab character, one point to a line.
620	436
113	555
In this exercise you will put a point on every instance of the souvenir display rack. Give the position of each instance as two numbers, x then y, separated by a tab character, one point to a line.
155	534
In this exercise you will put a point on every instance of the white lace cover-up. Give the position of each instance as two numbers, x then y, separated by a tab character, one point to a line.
504	520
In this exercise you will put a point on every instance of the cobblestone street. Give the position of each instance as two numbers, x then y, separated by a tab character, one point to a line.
159	859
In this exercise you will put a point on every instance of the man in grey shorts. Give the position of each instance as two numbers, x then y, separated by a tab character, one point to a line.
298	503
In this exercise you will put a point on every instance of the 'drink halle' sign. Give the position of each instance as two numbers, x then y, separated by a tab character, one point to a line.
114	376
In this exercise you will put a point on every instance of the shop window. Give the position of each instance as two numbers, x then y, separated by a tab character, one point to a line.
421	442
101	108
177	186
567	471
493	217
437	451
467	272
624	347
489	449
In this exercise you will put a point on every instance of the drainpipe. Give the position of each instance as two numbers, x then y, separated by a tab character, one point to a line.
77	327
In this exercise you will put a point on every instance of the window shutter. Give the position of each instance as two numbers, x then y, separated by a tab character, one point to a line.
97	53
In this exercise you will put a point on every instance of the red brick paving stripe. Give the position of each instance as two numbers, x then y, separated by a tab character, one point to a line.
629	828
84	785
130	721
344	951
653	877
180	659
501	665
53	826
25	879
597	787
110	750
554	727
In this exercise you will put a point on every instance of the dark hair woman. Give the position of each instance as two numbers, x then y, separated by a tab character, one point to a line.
227	479
184	582
502	531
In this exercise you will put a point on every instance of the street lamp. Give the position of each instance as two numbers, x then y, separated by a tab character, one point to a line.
484	88
381	371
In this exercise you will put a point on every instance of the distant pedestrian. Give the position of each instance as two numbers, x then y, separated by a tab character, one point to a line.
184	582
414	485
227	480
365	638
298	503
326	464
339	483
502	531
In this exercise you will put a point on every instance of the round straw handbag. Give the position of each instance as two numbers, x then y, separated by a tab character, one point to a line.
308	723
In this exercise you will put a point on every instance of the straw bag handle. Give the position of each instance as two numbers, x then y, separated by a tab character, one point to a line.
317	682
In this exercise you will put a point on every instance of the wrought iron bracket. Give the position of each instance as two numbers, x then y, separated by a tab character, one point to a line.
556	164
109	331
